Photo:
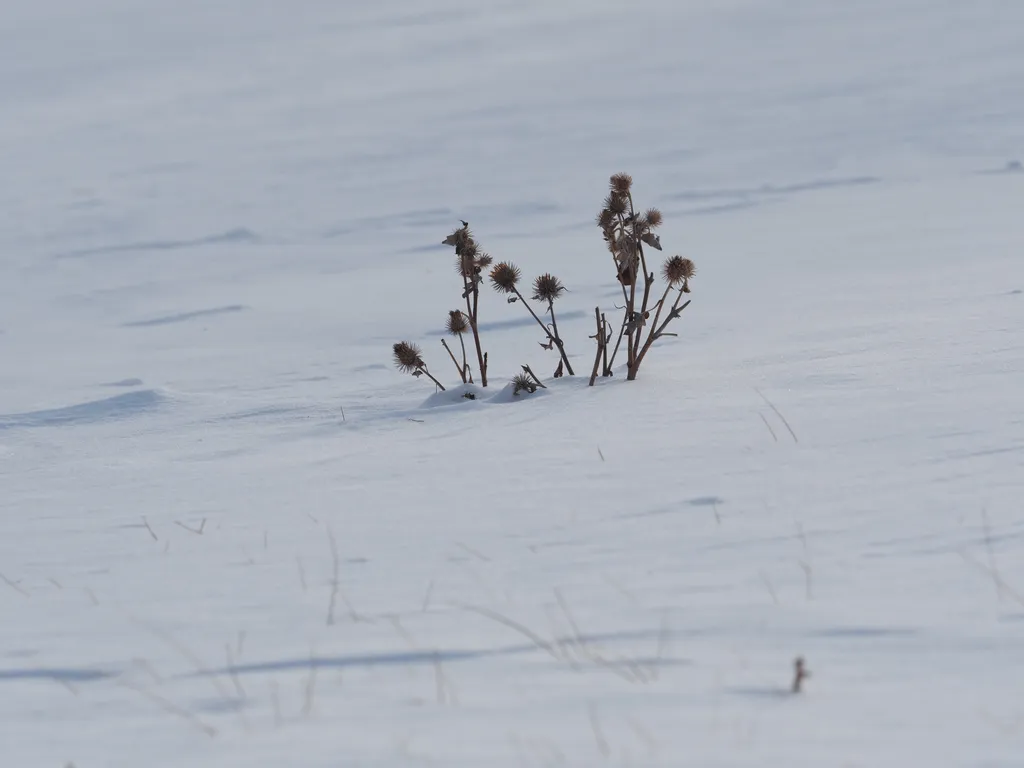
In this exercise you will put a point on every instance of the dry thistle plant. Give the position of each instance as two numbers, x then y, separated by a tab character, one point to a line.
626	231
470	262
409	359
546	288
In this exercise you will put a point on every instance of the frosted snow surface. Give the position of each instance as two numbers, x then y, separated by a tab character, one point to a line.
232	534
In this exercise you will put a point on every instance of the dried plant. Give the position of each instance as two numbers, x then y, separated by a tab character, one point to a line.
800	673
457	325
523	383
630	235
625	233
409	359
470	262
547	288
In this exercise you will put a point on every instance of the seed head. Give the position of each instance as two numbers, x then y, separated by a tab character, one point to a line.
504	276
616	204
547	287
408	358
460	238
621	183
483	260
653	218
457	323
523	382
605	219
678	270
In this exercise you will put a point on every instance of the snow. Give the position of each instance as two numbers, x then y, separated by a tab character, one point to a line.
232	534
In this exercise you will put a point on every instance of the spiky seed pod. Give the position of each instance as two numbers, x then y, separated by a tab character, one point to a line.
457	322
523	382
616	204
484	260
678	270
459	238
605	219
652	240
408	358
653	218
547	287
504	276
621	183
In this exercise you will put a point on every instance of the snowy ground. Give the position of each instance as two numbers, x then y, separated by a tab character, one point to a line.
230	534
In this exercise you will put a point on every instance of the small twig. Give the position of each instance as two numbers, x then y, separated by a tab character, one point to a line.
778	413
276	701
459	368
529	372
599	337
197	531
233	673
771	588
774	436
599	737
151	533
307	706
55	583
14	585
342	414
336	567
426	597
476	553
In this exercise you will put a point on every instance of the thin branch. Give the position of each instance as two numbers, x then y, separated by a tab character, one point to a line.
777	412
151	533
547	331
335	576
599	336
459	368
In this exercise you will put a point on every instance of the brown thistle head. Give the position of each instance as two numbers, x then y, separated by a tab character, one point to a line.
457	323
677	272
617	204
408	357
652	218
621	183
523	383
547	287
504	276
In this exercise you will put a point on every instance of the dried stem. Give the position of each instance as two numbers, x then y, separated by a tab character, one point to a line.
468	372
553	337
600	344
459	368
677	308
472	303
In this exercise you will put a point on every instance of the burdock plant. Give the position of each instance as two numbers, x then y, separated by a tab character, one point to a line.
470	262
626	231
409	359
547	288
